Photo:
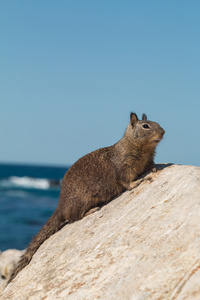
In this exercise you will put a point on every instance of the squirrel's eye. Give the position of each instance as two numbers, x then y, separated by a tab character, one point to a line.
146	126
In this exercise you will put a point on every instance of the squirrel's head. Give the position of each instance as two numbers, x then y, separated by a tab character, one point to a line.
143	131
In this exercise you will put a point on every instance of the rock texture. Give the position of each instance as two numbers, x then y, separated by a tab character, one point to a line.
145	244
8	261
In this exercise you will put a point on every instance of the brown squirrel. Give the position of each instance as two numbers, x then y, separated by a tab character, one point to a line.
98	177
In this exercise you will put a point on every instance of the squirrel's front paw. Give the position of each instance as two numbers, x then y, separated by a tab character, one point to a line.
154	170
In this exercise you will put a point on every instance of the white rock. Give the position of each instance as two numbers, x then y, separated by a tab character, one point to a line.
143	245
8	261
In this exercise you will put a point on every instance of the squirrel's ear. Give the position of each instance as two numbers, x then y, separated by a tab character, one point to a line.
144	117
133	119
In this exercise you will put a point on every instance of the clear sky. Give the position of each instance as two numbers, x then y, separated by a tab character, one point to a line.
72	71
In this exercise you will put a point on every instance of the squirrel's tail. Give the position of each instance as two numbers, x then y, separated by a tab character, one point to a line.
54	224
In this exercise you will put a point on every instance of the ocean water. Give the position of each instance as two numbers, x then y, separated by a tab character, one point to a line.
28	196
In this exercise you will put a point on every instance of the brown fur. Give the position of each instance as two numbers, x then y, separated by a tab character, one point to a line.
98	177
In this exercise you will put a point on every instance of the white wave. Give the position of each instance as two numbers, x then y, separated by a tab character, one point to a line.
28	182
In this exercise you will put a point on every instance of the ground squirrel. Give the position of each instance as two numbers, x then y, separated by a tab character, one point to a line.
98	177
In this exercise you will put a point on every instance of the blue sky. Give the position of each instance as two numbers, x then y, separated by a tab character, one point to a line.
72	71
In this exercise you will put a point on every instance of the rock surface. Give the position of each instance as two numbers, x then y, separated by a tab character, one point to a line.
145	244
8	261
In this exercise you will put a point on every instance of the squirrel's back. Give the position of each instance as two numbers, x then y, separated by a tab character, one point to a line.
90	182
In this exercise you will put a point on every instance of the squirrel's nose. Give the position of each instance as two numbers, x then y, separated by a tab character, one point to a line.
162	132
